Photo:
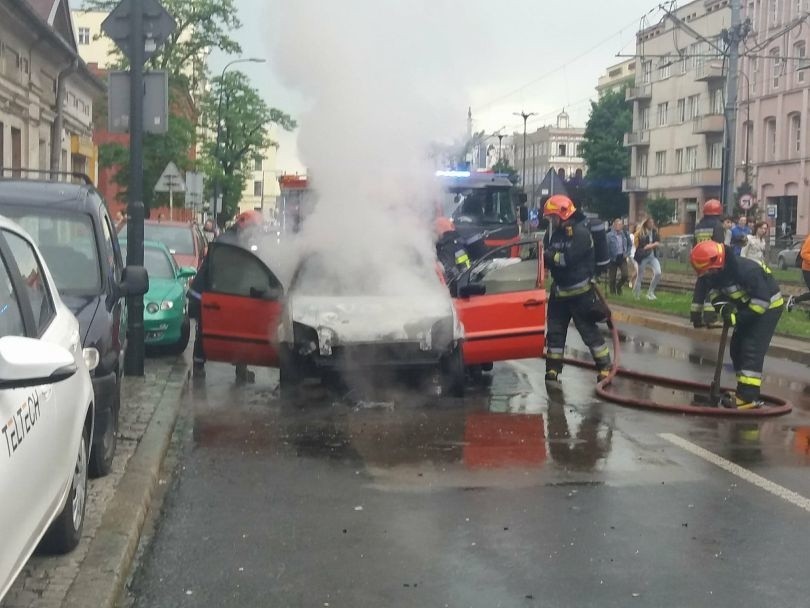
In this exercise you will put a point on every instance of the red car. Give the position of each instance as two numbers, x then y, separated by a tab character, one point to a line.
183	239
500	302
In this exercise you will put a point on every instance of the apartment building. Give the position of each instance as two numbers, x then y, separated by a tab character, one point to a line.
678	98
772	147
551	147
616	77
38	63
262	186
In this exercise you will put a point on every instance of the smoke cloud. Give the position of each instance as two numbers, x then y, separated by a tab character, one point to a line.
385	80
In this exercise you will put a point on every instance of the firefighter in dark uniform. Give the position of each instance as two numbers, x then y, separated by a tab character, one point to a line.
709	228
753	305
569	256
450	251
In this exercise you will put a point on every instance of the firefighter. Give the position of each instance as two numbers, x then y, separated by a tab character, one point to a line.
709	228
753	308
450	251
569	255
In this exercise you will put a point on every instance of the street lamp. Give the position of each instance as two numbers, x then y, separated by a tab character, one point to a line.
217	184
525	116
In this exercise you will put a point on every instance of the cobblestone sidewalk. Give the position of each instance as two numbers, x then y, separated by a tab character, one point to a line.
45	580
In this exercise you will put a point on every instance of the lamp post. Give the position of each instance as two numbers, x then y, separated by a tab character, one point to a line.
525	116
217	183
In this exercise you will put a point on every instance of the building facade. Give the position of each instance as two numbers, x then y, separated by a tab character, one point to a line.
551	147
678	99
39	64
262	187
617	77
774	99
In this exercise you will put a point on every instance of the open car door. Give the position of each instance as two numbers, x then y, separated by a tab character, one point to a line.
241	307
502	304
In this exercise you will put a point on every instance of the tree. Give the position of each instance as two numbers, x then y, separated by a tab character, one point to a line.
201	25
661	209
503	166
607	159
244	120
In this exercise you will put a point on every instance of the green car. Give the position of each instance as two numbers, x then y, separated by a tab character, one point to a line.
165	315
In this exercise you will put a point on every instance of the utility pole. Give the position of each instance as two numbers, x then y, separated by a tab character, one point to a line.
525	116
733	36
500	139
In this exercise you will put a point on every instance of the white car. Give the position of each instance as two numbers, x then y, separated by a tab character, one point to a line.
46	409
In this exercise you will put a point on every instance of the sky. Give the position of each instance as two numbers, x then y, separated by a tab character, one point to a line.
519	55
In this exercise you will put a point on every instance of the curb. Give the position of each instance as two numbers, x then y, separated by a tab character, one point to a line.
105	569
797	353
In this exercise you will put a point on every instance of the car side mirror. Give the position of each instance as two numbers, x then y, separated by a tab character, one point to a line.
134	281
187	272
472	289
524	213
25	362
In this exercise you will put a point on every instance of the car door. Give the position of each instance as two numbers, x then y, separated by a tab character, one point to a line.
241	307
501	303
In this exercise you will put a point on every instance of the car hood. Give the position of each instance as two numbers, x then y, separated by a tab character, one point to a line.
84	309
372	318
162	289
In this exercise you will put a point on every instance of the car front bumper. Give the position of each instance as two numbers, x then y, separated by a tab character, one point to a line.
162	328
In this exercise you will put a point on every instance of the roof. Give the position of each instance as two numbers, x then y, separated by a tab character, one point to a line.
42	193
466	179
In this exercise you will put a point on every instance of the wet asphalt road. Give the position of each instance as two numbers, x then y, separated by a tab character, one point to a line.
510	497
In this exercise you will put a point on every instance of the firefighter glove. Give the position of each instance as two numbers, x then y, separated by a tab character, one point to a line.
729	314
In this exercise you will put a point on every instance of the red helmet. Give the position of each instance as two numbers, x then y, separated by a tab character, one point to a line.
706	256
249	218
443	225
712	207
559	205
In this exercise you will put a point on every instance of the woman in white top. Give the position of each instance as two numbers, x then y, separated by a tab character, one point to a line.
755	247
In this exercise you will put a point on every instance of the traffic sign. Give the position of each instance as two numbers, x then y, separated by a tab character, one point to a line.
155	102
746	201
772	211
171	180
158	25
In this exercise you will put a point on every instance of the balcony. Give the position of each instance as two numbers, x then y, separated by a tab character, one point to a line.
708	124
643	91
711	70
638	138
706	177
635	184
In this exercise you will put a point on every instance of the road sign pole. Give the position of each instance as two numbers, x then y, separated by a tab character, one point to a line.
134	362
171	200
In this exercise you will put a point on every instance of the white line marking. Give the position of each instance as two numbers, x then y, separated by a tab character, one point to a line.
757	480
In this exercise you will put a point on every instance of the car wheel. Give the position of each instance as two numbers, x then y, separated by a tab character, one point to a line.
453	373
66	529
289	375
782	263
185	333
101	459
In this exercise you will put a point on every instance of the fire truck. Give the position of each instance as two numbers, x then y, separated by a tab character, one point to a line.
294	203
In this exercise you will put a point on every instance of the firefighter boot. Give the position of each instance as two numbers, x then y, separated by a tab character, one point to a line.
244	375
602	374
553	376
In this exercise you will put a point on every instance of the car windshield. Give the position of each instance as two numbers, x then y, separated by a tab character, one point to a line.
68	243
178	239
480	206
156	262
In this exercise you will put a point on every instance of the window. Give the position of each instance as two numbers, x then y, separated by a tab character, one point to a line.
646	72
257	187
661	163
776	67
773	13
257	164
754	73
561	150
644	118
684	60
642	165
694	55
680	111
799	54
691	158
679	161
84	35
717	101
664	68
253	279
692	106
749	141
663	111
11	322
715	152
795	137
34	279
110	250
770	139
801	7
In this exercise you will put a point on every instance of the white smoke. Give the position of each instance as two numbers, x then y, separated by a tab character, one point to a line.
385	80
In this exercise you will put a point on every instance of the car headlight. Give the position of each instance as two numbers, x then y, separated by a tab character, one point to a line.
326	338
152	307
91	358
167	305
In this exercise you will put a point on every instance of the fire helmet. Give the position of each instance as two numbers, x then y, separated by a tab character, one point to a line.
443	225
706	256
712	207
559	205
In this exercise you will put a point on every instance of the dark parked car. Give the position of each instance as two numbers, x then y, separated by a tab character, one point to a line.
787	257
71	226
